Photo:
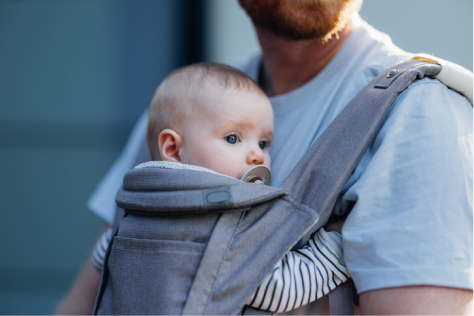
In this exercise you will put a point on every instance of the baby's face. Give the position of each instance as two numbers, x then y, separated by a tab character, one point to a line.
230	134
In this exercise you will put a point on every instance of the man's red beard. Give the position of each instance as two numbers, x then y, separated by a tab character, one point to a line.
301	19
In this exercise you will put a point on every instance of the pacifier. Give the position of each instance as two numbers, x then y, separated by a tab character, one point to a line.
259	174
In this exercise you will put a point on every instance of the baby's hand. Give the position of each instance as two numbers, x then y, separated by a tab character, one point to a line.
335	224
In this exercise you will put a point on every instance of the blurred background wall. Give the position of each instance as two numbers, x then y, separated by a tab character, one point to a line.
75	76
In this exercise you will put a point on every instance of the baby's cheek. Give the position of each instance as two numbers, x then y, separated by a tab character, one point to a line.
267	161
228	167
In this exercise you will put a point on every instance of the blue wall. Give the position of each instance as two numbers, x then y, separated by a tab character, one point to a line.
74	77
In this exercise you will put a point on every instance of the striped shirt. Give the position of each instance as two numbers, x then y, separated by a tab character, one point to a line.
300	277
303	275
98	255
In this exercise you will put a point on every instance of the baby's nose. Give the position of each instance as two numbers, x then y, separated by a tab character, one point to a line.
255	157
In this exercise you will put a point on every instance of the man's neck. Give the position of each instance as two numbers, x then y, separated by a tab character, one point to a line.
288	65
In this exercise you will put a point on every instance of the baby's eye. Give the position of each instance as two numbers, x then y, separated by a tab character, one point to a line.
232	139
262	144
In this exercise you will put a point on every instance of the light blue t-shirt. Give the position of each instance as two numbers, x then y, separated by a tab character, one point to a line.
410	197
411	194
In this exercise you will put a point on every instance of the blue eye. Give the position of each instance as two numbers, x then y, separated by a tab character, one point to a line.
262	144
231	139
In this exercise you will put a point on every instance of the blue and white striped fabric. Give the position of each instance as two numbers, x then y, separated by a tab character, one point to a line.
98	255
303	275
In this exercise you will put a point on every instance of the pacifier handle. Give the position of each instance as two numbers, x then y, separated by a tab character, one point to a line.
259	174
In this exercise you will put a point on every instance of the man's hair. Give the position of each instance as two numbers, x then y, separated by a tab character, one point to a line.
183	87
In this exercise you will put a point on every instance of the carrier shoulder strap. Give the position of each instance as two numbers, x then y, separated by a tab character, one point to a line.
320	175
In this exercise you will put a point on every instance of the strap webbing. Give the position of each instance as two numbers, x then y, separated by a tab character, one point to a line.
341	300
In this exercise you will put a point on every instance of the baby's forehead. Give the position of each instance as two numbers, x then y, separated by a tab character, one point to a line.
209	88
219	98
212	76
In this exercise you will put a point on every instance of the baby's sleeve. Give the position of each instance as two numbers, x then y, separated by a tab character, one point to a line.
98	254
303	275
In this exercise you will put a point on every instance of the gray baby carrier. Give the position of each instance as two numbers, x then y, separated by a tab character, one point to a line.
197	243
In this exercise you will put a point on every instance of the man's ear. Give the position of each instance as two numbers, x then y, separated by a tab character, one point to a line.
169	143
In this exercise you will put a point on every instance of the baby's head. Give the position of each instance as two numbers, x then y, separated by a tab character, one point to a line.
213	116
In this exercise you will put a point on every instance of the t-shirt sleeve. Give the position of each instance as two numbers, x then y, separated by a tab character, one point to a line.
411	195
102	201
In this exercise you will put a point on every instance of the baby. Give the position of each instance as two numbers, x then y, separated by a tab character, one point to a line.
214	116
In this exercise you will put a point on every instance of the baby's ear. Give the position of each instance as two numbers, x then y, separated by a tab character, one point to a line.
169	143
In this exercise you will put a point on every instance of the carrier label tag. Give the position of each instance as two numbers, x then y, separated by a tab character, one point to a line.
218	198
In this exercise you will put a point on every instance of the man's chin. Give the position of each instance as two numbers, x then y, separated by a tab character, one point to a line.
301	19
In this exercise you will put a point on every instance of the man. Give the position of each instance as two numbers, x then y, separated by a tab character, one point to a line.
408	236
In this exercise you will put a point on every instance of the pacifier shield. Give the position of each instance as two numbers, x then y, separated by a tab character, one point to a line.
257	174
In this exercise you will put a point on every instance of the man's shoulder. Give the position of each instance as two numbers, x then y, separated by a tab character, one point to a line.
426	115
433	98
429	109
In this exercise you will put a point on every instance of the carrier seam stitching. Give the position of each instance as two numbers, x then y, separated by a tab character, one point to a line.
222	259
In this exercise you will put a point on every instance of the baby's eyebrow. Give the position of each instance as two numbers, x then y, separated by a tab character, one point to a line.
232	123
270	134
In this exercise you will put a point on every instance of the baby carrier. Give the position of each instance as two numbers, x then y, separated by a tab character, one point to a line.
195	242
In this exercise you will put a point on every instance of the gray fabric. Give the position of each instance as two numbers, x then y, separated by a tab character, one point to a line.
182	191
165	252
147	245
341	300
249	310
267	231
176	254
218	244
142	155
